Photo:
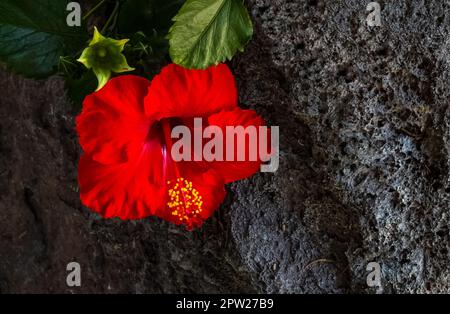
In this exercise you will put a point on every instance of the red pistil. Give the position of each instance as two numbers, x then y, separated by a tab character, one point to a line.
190	205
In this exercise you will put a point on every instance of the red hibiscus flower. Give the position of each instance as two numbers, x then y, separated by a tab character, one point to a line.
127	170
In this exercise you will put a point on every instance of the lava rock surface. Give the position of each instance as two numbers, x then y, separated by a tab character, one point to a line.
364	169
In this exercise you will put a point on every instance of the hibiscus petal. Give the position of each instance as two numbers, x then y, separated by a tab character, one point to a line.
236	170
119	190
127	191
112	126
179	92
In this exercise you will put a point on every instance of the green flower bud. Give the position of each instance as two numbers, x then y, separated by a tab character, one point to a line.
104	56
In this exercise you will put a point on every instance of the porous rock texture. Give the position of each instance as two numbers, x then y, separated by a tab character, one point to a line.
364	169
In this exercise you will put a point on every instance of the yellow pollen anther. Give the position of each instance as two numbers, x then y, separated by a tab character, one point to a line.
190	204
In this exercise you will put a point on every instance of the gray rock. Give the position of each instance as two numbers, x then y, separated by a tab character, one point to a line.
364	169
364	117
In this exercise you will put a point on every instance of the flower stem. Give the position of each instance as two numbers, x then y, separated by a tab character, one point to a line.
111	17
93	9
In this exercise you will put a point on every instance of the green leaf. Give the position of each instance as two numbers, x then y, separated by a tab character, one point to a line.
147	16
208	32
34	34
